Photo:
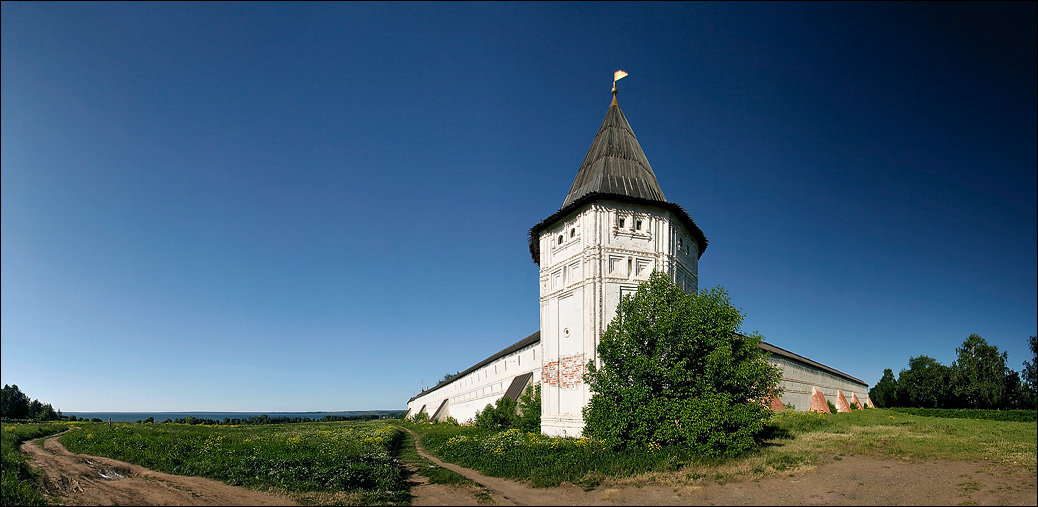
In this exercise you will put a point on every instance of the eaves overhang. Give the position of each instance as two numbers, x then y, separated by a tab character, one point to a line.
676	209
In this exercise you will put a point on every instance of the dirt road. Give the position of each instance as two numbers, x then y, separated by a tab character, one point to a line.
78	479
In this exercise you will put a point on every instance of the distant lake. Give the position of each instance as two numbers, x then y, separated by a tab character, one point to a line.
219	416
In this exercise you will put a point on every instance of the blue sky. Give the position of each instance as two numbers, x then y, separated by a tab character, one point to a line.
324	206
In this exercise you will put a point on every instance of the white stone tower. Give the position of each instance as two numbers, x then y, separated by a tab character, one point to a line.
614	228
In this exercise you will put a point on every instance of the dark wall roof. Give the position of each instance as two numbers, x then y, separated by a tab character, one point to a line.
614	168
787	354
536	338
525	342
518	385
615	164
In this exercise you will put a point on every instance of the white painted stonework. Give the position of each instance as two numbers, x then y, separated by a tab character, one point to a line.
800	380
472	392
588	262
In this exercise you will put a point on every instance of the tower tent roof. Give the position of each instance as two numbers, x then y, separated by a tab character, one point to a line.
615	168
615	164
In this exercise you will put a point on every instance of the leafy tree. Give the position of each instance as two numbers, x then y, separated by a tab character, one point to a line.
886	392
925	383
530	409
1016	394
676	371
35	410
500	417
1030	374
14	404
979	374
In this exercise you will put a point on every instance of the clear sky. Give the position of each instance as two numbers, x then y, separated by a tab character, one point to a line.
325	206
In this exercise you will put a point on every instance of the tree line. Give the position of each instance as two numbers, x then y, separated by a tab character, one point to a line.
265	419
15	405
978	379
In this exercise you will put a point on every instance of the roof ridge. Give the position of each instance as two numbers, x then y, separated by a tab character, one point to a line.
615	164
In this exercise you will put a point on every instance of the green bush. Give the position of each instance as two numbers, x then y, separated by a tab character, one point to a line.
530	410
501	416
676	371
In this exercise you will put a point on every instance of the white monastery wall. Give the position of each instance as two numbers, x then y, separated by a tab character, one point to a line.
466	394
799	380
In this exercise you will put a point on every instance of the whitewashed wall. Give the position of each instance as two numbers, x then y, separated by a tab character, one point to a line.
472	392
589	260
799	378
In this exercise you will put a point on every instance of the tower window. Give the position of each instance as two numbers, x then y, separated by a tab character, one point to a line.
573	232
621	223
561	238
638	224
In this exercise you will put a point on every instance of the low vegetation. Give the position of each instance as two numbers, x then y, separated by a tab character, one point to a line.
794	440
356	462
991	415
335	462
20	484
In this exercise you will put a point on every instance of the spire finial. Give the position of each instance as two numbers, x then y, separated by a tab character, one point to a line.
618	75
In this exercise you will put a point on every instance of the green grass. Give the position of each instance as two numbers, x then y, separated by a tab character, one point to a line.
354	463
892	434
797	440
20	484
992	415
437	474
545	461
322	462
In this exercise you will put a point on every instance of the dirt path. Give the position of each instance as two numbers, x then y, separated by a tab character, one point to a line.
854	480
79	479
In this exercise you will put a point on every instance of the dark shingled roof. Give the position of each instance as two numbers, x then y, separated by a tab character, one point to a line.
615	168
767	347
615	164
536	338
525	342
518	385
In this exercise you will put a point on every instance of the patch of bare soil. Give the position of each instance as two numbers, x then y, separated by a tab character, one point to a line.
79	479
854	480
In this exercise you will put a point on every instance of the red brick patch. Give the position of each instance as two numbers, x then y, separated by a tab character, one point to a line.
818	403
841	402
567	372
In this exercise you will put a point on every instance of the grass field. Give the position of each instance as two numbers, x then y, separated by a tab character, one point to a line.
798	439
315	463
354	463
